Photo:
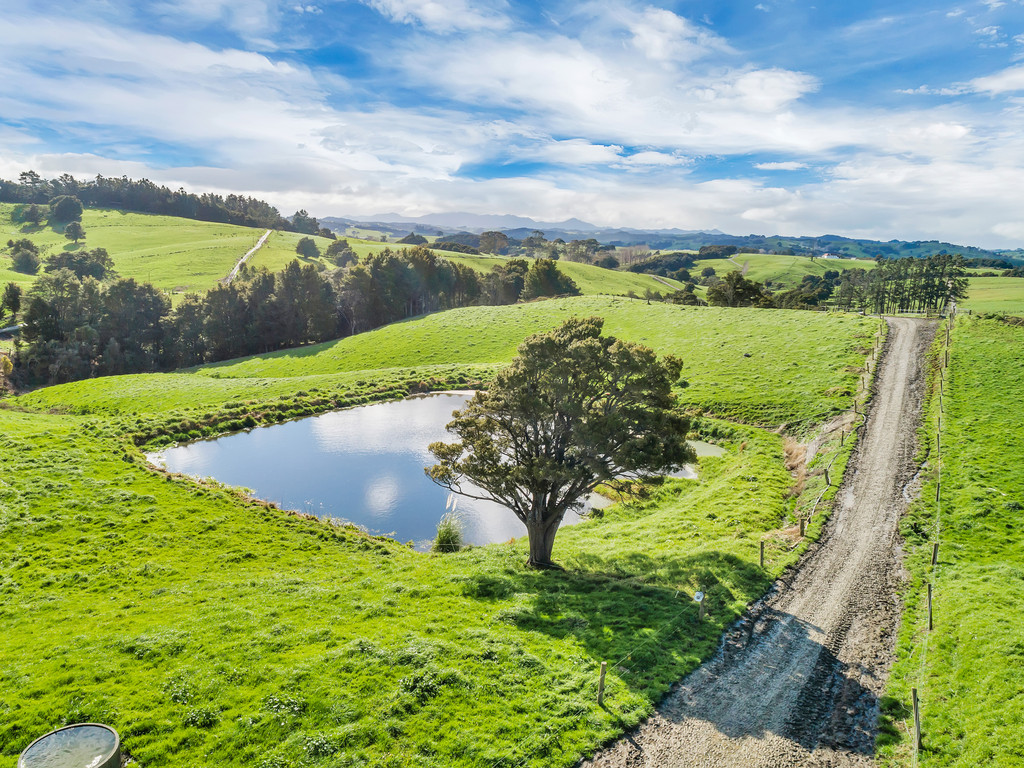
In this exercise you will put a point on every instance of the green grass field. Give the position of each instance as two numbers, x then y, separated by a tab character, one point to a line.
1002	295
183	255
212	630
782	271
765	366
171	253
970	669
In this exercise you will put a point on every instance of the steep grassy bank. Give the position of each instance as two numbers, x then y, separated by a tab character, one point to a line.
969	669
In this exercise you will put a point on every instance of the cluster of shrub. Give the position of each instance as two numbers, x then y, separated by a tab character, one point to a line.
80	321
33	191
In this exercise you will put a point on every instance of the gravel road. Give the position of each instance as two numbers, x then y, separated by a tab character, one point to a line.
796	681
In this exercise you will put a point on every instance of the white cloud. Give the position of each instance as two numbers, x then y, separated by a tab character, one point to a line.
790	165
1011	79
622	129
438	16
664	36
254	20
571	152
762	7
652	159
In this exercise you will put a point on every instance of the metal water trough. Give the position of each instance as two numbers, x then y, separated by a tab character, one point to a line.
85	745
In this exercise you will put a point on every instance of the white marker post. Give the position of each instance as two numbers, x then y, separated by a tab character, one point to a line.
699	598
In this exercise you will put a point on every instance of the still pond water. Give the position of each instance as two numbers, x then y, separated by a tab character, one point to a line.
363	465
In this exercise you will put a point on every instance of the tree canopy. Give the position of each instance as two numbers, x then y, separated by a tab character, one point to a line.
307	248
74	231
66	208
573	409
95	263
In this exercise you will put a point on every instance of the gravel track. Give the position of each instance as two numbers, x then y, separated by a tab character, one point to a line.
796	681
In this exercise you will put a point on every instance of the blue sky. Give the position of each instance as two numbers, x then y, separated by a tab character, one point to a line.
885	120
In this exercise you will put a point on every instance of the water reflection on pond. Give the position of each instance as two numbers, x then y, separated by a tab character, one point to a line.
364	465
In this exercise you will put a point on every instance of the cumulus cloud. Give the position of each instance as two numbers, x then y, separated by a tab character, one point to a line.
617	106
437	16
789	165
664	36
254	20
1010	79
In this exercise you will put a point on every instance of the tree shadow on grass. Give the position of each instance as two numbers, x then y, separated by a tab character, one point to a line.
651	637
650	631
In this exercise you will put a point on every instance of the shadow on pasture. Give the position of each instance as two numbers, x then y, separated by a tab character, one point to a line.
769	661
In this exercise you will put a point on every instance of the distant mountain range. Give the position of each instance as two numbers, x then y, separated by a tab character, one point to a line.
519	227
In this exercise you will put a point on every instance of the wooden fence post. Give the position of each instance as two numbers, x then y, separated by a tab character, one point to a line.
600	684
917	720
762	555
935	553
929	607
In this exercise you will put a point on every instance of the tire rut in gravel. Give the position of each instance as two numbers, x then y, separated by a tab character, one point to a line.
796	681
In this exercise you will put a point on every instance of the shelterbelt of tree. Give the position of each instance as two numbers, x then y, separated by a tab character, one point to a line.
210	629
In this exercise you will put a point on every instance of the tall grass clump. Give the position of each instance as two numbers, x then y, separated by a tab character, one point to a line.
449	533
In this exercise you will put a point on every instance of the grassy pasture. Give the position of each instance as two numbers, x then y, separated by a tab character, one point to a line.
970	669
183	255
1003	295
786	271
212	630
763	366
171	253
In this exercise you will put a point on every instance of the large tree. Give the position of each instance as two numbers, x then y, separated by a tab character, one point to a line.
66	208
10	301
574	409
74	231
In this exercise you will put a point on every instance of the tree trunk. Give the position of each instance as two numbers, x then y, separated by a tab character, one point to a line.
542	540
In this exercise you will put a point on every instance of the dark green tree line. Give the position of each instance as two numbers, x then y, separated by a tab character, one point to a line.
77	326
144	195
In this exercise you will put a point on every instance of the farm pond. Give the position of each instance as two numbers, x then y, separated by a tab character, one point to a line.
362	465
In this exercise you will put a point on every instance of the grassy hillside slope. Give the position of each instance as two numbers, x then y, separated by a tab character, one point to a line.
765	366
970	668
171	253
1003	295
212	630
183	255
782	271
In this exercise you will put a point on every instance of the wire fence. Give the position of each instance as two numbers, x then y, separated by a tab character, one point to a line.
931	580
622	665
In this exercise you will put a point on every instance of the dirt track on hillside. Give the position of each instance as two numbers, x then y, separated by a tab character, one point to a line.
796	682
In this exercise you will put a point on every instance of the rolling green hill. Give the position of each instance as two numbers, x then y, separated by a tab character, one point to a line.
174	254
183	255
781	271
768	366
1001	295
210	629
